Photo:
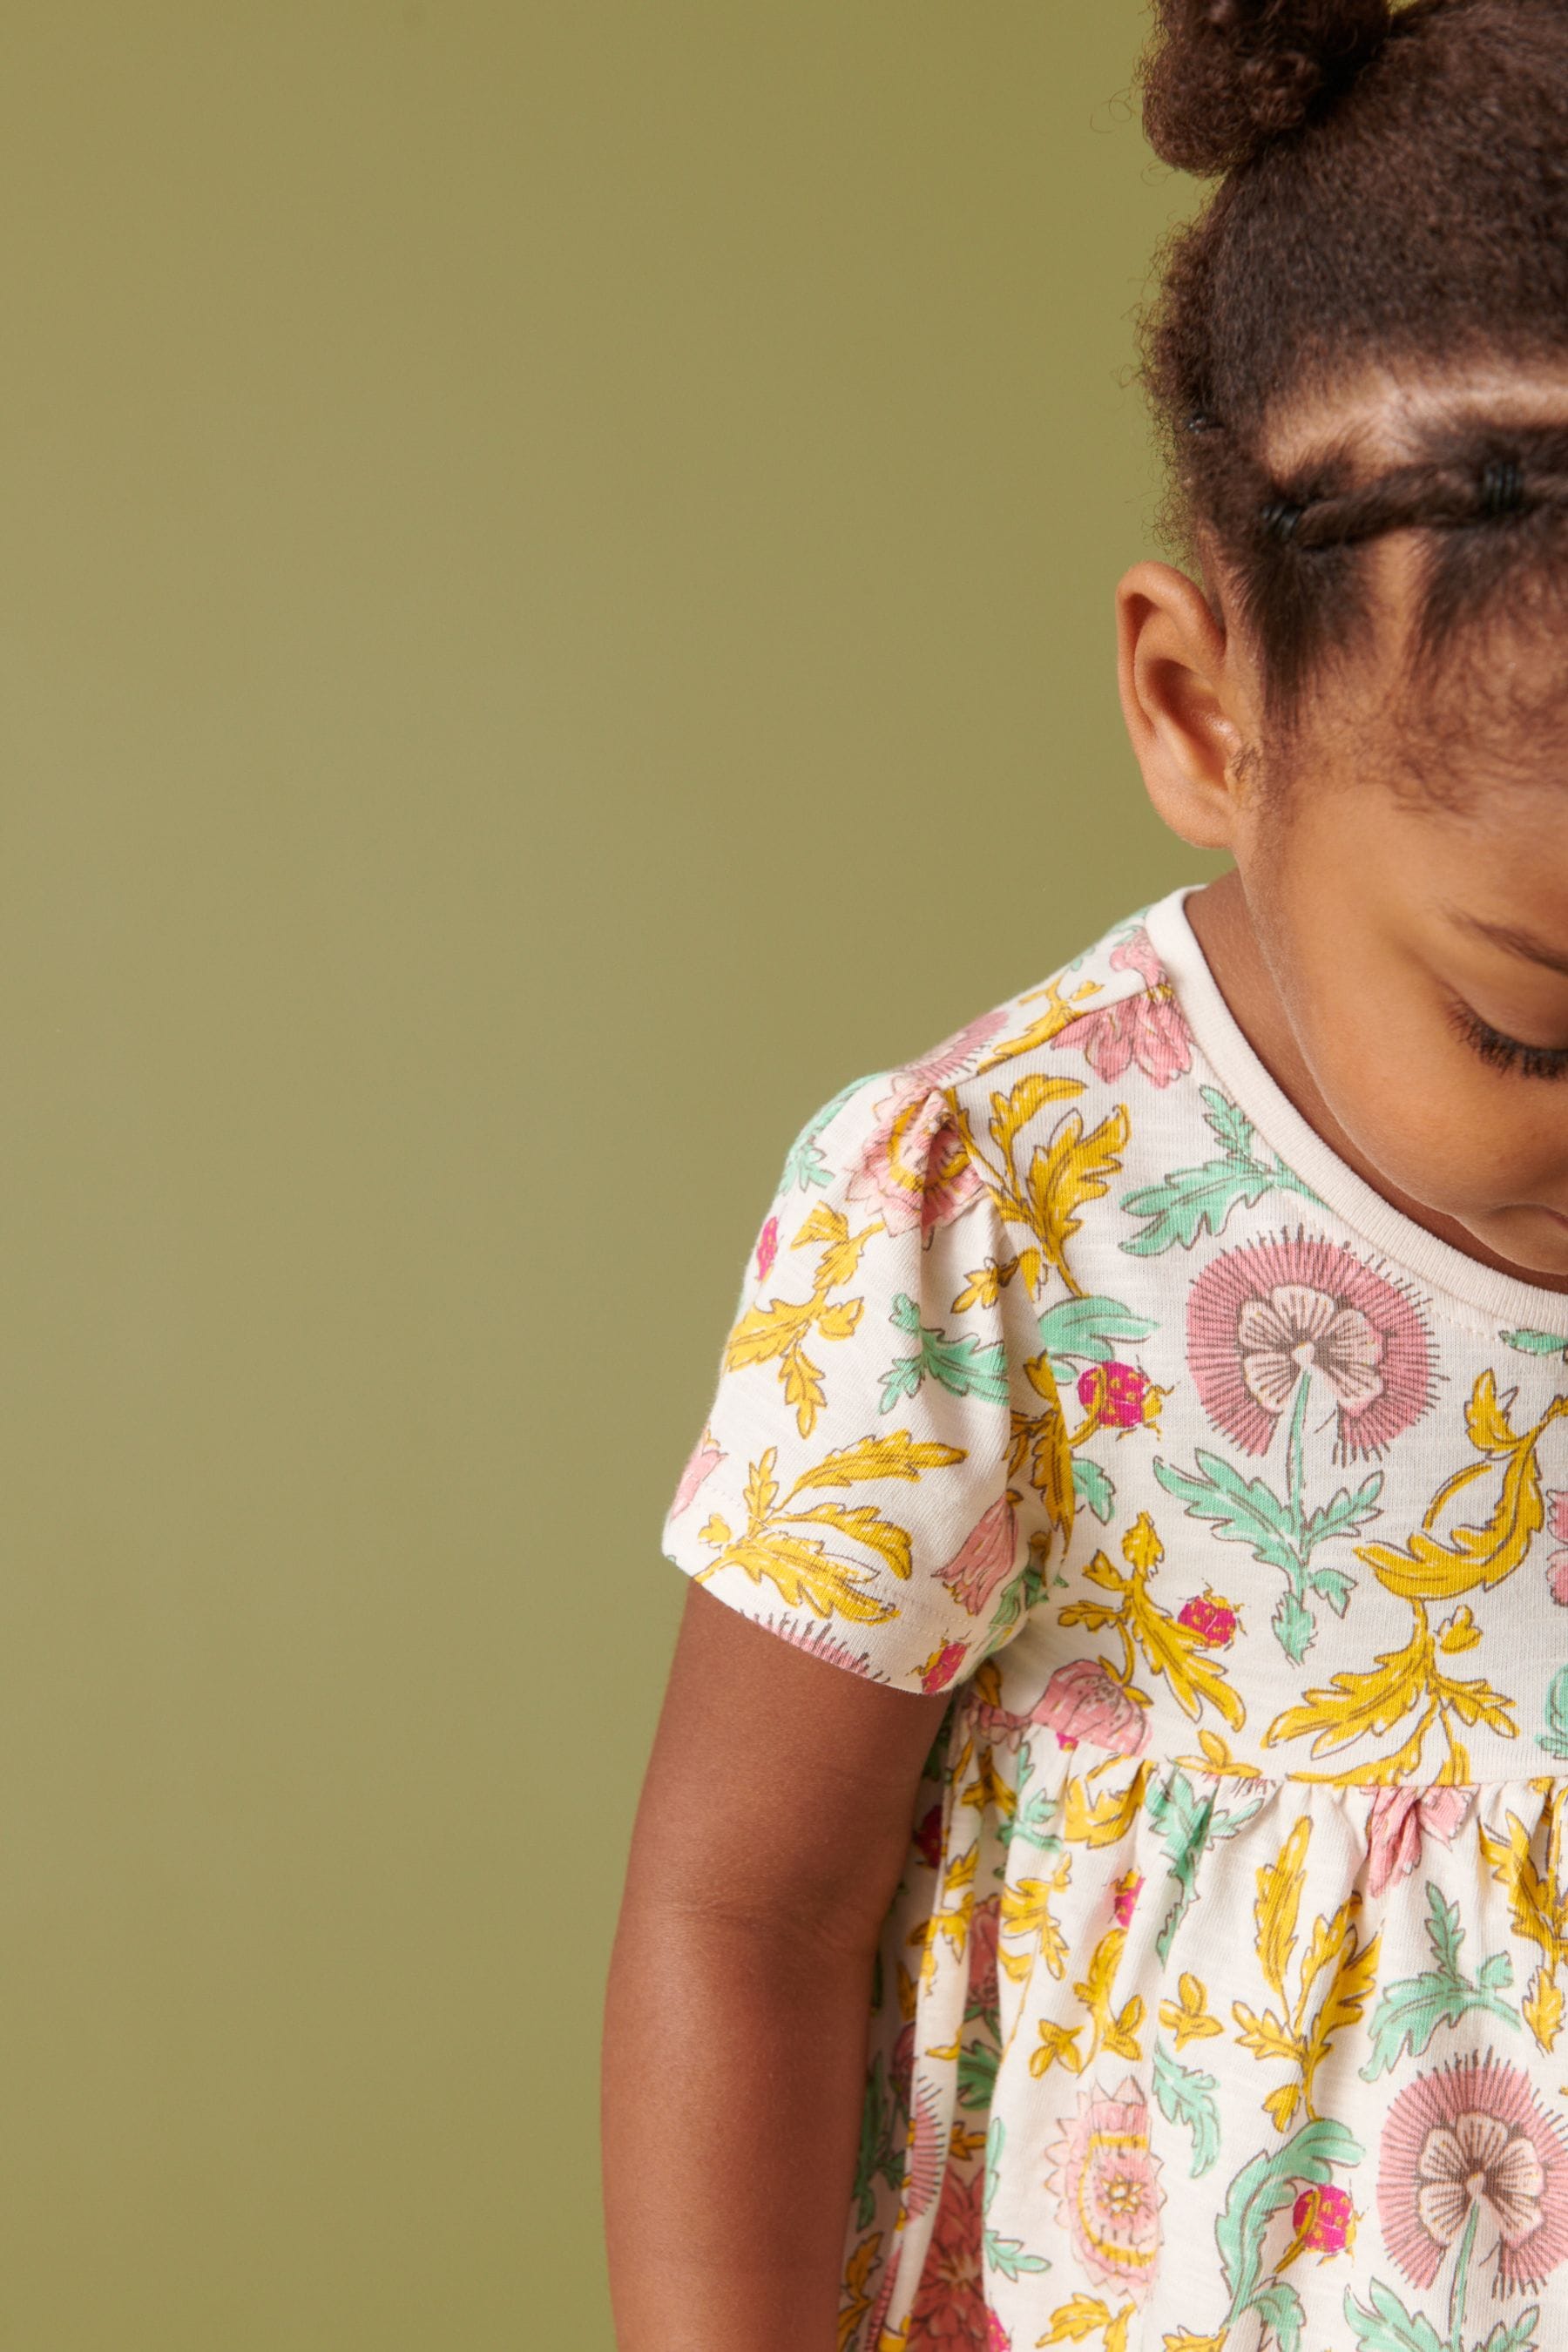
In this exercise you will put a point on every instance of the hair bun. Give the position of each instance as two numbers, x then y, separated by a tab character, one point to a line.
1223	78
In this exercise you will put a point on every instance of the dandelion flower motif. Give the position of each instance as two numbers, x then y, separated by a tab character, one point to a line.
1262	1316
1469	2153
1107	2178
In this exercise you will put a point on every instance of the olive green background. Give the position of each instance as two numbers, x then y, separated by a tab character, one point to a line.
556	606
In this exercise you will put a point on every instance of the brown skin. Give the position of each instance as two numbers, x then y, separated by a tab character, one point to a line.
775	1821
777	1808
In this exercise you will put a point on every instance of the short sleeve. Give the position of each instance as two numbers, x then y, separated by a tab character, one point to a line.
882	1474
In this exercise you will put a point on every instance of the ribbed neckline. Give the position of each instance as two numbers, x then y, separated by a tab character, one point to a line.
1502	1298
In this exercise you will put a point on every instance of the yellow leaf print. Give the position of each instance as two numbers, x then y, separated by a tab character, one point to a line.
779	1331
1168	1648
1058	2046
1026	1911
1357	1707
949	1919
1105	1820
1069	1172
896	1455
1335	1966
1188	2017
1012	1112
1541	2007
1113	2030
857	2292
1538	1907
983	1286
772	1549
1086	2316
1059	1012
1280	1884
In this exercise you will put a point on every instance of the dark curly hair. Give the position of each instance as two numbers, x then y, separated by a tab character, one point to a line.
1394	198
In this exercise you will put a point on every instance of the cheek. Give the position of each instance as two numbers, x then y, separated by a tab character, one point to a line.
1450	1135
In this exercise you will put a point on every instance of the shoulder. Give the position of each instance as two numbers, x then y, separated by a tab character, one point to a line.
915	1142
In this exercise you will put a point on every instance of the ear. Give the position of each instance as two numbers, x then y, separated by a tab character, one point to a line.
1182	703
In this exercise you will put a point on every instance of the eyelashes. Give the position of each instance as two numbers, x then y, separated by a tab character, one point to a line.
1506	1052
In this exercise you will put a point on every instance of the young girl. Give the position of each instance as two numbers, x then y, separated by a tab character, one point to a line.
1102	1877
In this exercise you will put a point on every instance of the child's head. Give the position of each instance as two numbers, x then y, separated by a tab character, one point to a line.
1358	359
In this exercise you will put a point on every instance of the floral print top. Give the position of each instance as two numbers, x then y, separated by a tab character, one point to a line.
1221	2003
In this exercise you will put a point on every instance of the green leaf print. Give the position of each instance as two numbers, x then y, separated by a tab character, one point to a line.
1410	2011
1279	2306
1087	1330
1345	1514
1519	2336
977	2063
1258	2192
1187	2097
1228	1121
1188	1825
1278	1528
1536	1343
1004	2255
1019	1595
1332	1585
1293	1627
1092	1485
883	2132
1244	1510
805	1164
1186	1200
1384	2325
962	1367
1554	1739
1031	1816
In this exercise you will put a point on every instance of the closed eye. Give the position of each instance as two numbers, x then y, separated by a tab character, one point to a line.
1506	1052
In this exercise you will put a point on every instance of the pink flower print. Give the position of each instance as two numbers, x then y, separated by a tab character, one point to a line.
1084	1700
879	2309
986	1559
928	1837
1398	1820
949	2312
1261	1315
914	1168
926	2151
997	2336
1124	1897
1107	2180
954	1054
703	1460
1468	2141
1214	1621
940	1668
1325	2221
1150	1028
1117	1396
1557	1566
825	1645
767	1248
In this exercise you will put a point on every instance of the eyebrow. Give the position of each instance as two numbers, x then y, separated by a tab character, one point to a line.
1509	936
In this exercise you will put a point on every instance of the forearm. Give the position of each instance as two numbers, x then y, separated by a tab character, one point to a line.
733	2071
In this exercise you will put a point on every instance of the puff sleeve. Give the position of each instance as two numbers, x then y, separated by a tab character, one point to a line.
880	1477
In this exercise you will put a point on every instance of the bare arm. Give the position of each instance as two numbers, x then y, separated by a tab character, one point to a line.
775	1819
